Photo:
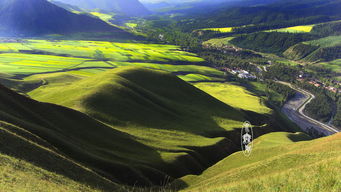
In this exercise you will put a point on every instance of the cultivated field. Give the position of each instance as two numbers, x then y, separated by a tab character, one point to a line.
85	58
221	30
295	29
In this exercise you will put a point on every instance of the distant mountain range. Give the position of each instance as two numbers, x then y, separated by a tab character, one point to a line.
275	12
199	6
128	7
38	17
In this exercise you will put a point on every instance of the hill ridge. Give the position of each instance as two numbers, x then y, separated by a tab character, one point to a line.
24	18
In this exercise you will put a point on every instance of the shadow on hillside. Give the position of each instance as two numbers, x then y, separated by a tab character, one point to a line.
299	137
111	153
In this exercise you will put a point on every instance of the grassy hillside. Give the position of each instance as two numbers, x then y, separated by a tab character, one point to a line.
219	42
150	132
24	169
184	125
279	162
235	96
277	14
31	13
81	138
323	49
334	66
221	30
270	42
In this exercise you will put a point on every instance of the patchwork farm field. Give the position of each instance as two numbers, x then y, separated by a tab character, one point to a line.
104	50
85	58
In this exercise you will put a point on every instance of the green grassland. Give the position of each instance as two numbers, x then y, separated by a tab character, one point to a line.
334	66
319	50
174	119
218	42
23	168
199	77
330	41
262	89
235	96
279	162
164	118
103	16
132	124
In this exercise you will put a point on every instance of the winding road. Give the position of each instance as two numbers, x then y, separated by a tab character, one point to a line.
294	110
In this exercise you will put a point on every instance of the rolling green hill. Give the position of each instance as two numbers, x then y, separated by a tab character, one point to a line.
274	15
270	42
131	129
235	96
279	162
324	49
29	163
78	136
26	18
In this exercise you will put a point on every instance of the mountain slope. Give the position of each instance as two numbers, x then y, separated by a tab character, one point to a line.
78	136
189	129
151	132
280	13
37	17
24	169
324	49
128	7
278	163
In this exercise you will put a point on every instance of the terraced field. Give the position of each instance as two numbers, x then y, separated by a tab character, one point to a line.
85	58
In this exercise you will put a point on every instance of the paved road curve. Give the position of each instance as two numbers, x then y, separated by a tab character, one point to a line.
294	110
